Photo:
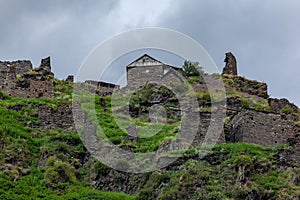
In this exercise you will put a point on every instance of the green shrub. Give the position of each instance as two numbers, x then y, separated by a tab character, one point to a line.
59	174
287	110
190	68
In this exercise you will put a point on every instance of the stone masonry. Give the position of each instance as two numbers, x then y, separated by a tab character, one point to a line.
102	88
266	129
20	66
60	117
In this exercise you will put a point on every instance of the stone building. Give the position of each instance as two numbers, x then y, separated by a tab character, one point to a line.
103	87
147	69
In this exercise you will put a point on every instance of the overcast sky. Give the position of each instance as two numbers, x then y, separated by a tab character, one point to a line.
263	35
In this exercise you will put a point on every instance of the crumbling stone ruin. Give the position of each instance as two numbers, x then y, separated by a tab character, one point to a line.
19	79
266	129
20	66
102	88
231	65
70	79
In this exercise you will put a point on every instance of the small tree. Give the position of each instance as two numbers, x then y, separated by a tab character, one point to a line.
190	68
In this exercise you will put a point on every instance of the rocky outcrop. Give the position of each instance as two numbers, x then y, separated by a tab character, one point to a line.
241	84
113	180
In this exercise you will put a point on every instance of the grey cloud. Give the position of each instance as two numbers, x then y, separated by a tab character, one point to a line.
34	29
262	34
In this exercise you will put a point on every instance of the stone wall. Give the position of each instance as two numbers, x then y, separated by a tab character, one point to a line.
138	76
101	88
266	129
163	74
172	76
41	89
60	117
7	80
147	69
20	66
206	135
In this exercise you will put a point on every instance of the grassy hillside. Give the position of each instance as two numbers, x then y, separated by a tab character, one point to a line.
53	164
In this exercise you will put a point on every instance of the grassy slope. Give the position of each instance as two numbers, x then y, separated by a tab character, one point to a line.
213	177
20	150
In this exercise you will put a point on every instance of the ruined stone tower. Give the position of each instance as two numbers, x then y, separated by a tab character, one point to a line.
231	66
19	79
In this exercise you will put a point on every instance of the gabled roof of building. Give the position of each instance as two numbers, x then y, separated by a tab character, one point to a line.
145	60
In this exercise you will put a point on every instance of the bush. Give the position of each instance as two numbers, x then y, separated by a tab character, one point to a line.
59	174
190	68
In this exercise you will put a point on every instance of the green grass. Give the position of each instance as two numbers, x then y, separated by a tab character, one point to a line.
145	144
34	186
217	179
